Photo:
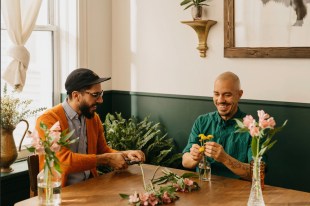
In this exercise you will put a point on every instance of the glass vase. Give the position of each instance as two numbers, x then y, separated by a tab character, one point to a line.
256	195
204	169
49	186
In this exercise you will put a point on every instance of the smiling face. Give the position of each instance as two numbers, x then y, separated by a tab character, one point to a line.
226	94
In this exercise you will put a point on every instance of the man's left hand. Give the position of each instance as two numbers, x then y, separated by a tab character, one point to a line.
215	151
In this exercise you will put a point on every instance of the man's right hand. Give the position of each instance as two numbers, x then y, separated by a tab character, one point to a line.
115	160
194	152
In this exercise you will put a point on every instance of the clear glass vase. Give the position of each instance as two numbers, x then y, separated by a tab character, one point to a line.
49	186
204	169
256	195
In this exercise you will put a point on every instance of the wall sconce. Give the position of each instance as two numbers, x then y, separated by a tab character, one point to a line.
202	28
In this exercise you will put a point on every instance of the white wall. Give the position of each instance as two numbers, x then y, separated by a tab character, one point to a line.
153	52
94	39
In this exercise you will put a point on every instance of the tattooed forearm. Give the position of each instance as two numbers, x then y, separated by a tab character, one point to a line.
239	168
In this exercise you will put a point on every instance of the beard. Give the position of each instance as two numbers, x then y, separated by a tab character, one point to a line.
85	110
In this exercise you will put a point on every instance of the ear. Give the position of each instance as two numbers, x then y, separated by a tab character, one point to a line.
240	93
76	95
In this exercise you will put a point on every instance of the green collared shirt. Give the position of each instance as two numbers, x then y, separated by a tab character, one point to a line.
237	145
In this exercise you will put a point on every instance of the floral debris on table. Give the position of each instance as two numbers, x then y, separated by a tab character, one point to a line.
164	194
262	133
49	179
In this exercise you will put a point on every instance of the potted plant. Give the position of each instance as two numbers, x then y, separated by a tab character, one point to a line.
13	110
197	7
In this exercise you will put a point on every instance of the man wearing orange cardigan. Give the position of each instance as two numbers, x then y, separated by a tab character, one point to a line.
77	112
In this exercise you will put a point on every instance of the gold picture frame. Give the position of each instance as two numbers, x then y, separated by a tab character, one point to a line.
231	51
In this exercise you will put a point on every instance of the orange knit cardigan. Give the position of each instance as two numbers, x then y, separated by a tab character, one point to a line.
74	162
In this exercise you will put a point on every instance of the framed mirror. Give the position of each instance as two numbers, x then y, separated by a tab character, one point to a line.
230	36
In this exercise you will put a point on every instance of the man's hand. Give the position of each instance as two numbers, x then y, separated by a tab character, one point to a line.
194	152
215	151
134	155
115	160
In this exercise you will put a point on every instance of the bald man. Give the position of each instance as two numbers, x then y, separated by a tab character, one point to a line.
228	152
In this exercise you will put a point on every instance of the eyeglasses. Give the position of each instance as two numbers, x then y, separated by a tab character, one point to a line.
96	95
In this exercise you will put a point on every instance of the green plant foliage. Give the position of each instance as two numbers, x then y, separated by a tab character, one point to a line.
122	134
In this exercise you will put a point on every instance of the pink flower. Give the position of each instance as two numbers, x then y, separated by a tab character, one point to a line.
55	147
153	199
254	131
55	127
188	182
144	198
134	198
248	120
166	198
265	121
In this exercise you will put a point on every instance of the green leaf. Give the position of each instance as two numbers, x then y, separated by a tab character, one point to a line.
189	175
124	196
185	2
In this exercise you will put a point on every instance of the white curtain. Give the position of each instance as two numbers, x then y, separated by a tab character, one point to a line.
20	18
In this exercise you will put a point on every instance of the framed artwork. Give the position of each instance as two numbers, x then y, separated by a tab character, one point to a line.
267	28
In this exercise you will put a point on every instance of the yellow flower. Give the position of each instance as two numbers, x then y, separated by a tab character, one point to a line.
202	149
204	137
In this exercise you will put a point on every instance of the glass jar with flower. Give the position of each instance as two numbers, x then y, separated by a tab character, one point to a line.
13	110
262	133
49	179
204	167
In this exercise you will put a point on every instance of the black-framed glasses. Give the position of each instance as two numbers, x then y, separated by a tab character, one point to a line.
96	95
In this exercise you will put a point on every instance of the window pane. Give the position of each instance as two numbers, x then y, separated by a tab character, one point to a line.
39	80
43	17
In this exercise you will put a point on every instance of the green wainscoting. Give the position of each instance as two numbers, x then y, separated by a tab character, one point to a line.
288	161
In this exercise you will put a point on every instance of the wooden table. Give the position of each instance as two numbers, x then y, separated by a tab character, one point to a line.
104	190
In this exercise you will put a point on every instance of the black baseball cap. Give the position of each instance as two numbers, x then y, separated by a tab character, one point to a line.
82	77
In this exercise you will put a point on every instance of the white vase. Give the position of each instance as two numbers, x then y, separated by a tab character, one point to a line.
197	12
256	195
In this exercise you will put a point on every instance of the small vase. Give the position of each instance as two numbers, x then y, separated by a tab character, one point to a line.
8	150
197	12
204	169
256	195
49	186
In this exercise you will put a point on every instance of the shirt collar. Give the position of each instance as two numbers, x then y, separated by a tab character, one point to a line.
231	121
69	111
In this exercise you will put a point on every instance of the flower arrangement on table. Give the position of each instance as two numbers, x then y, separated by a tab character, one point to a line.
51	143
204	167
262	133
164	194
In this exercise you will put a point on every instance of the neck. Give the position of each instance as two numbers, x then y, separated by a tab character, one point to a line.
74	106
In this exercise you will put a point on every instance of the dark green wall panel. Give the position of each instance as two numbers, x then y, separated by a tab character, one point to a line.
287	162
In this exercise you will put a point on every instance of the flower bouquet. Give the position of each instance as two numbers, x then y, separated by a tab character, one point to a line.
49	179
262	133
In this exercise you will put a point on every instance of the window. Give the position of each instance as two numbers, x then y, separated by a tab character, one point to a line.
39	84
